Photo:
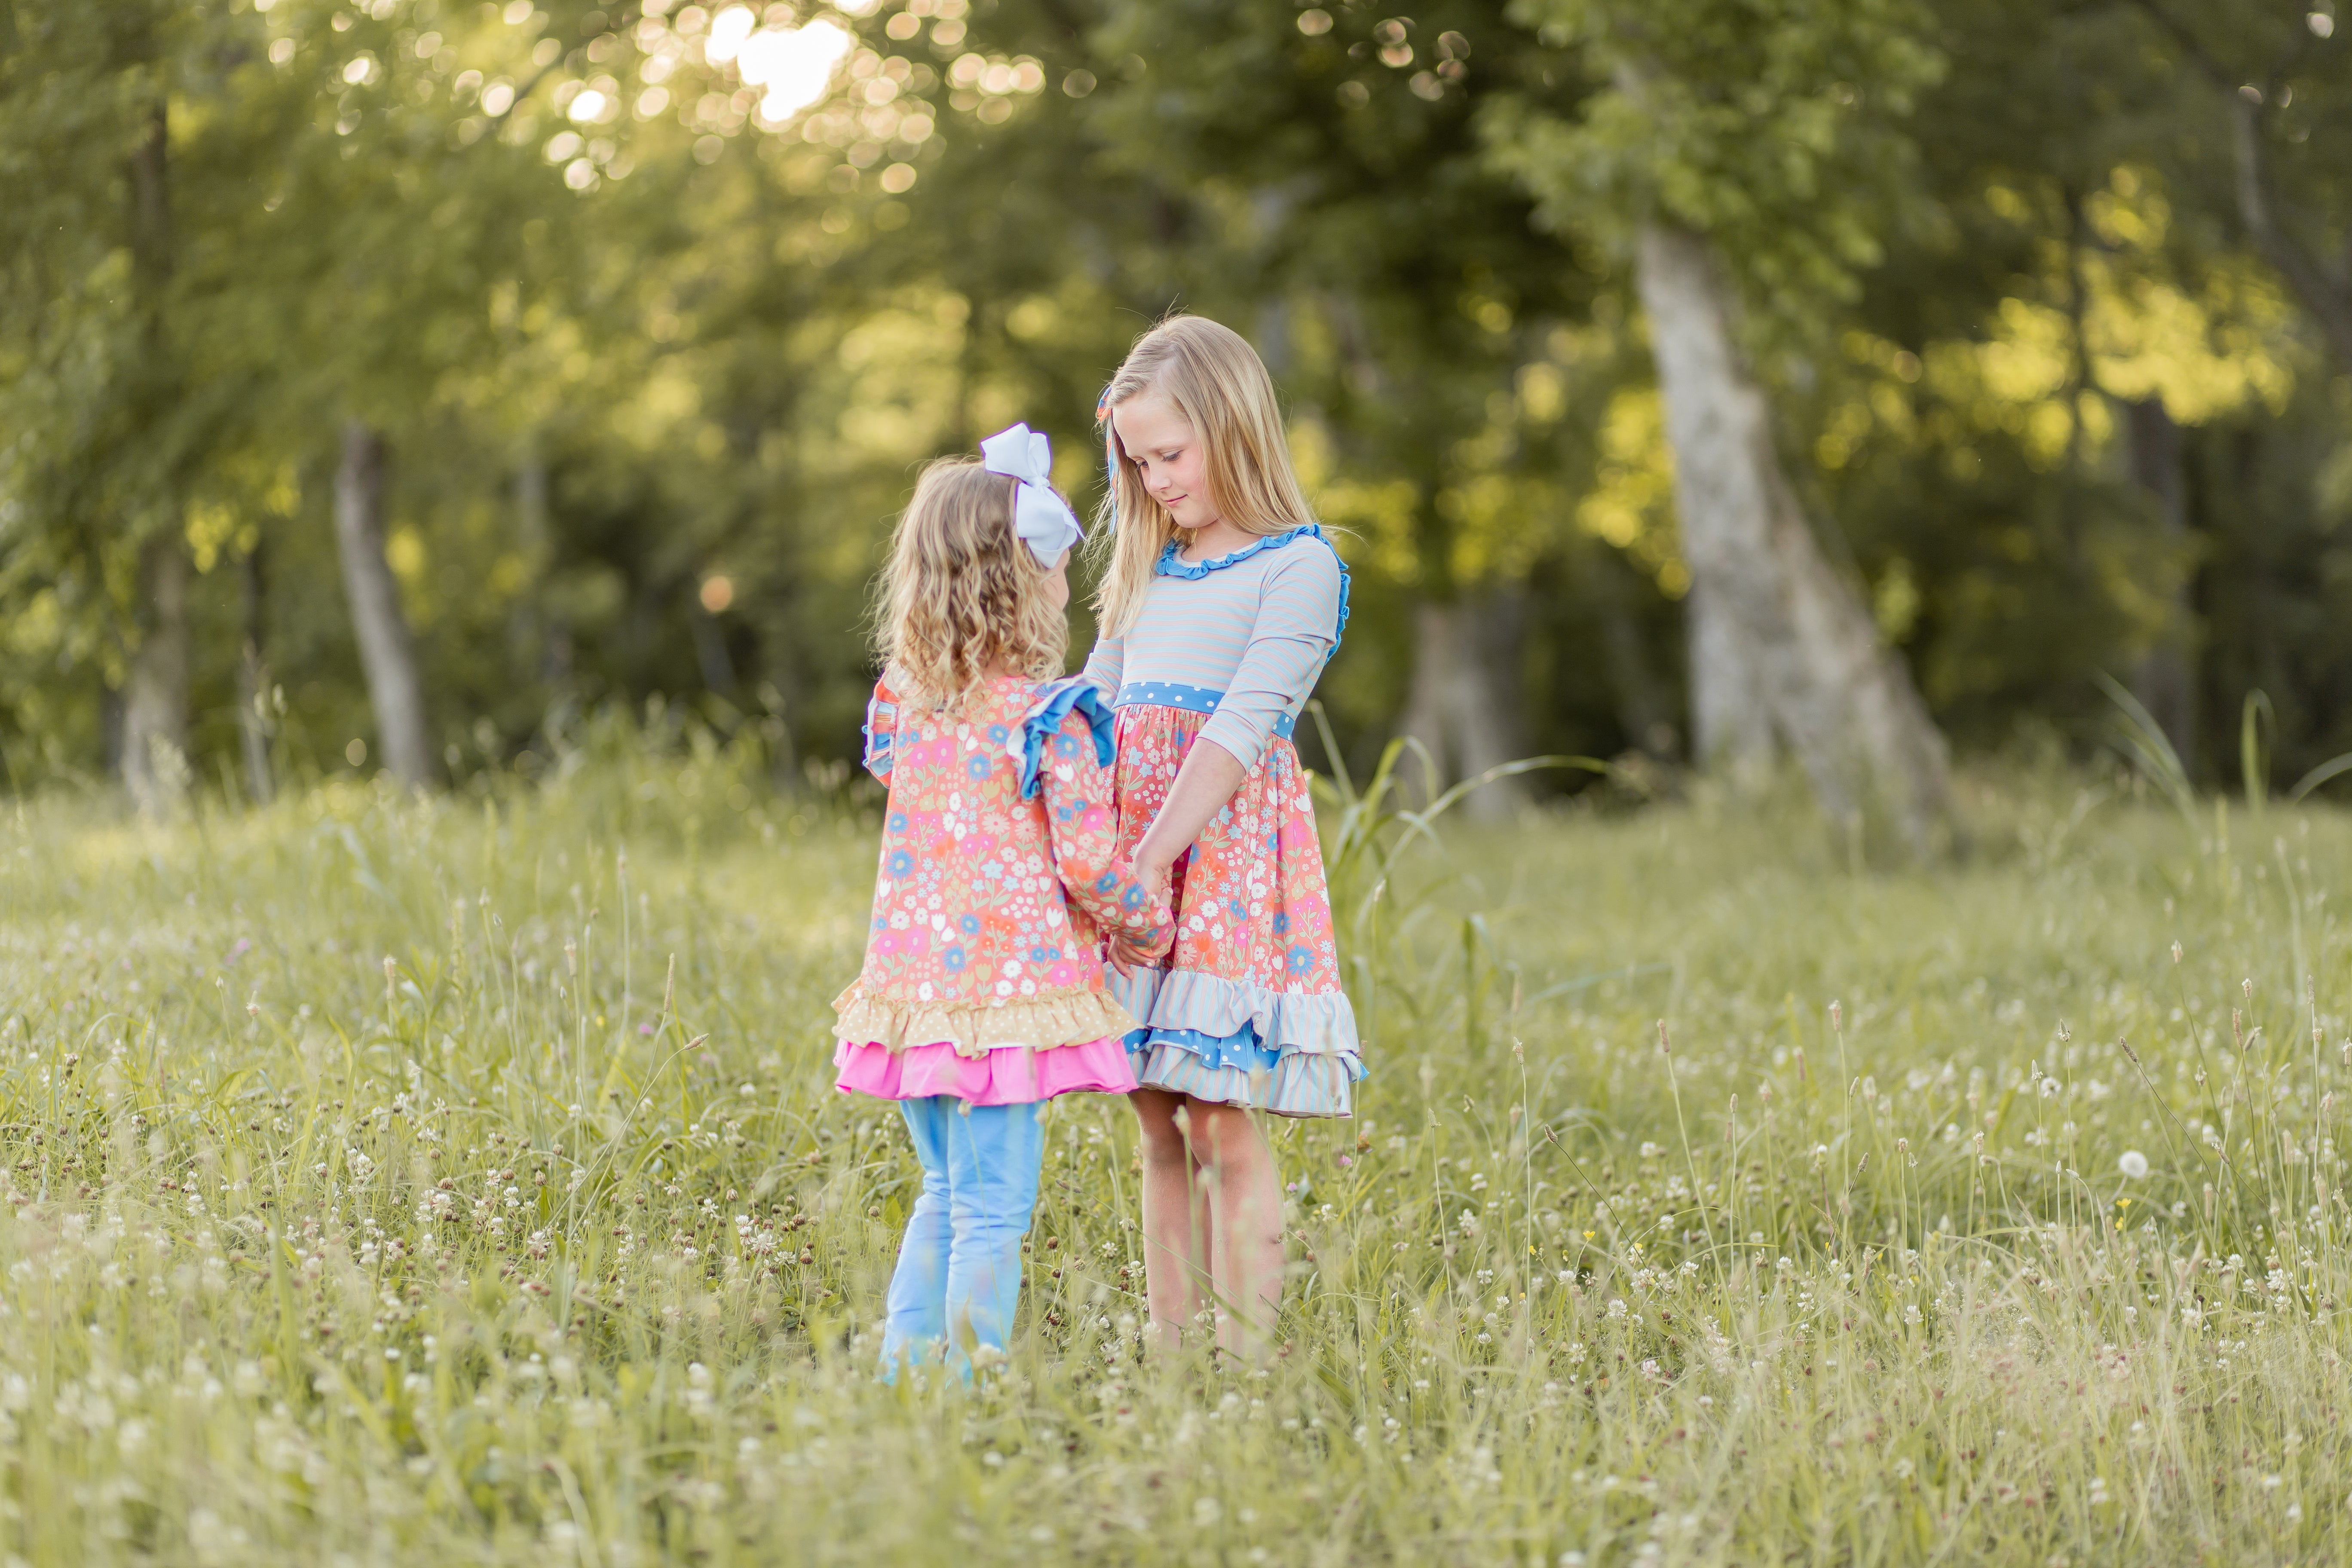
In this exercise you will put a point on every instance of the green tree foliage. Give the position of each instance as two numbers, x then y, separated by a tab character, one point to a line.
1779	130
657	306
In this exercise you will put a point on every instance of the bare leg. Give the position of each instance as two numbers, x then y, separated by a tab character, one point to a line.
1171	1242
1200	1324
1246	1201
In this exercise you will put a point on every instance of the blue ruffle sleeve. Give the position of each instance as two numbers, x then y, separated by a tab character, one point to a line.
1055	702
881	731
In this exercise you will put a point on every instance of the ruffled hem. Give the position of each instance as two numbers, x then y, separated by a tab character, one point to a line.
1239	1050
1008	1075
1298	1085
1047	714
1042	1023
1313	1023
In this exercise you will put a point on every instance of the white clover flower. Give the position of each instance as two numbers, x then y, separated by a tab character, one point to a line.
2133	1164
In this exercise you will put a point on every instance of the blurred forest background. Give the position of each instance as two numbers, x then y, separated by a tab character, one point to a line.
405	382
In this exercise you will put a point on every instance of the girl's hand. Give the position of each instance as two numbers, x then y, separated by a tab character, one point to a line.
1127	954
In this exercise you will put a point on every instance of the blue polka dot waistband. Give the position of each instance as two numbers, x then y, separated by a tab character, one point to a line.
1190	699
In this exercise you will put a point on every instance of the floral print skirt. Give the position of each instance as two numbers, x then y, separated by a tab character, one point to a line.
1249	1009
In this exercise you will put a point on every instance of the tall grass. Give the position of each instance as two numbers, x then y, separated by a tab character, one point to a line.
462	1180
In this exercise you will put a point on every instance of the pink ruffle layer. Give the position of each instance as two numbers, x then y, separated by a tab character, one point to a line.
1008	1075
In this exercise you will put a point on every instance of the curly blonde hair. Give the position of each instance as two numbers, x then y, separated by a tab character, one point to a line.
962	594
1214	379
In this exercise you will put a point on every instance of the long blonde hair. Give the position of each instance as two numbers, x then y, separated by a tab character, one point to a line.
962	592
1215	380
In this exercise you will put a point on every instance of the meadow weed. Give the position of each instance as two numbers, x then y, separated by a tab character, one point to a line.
460	1180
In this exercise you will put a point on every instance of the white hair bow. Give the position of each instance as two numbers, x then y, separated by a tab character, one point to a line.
1043	520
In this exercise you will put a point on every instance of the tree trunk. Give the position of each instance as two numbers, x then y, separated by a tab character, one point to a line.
1731	726
255	719
155	695
2165	681
1841	703
154	746
386	652
1455	710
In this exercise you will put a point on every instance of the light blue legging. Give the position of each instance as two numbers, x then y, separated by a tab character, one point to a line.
959	1275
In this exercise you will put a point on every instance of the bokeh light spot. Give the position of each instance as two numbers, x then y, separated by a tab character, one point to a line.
729	30
795	65
718	593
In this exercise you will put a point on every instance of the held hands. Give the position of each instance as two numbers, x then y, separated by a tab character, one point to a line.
1128	951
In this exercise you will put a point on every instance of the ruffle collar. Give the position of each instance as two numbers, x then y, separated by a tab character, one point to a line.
1193	571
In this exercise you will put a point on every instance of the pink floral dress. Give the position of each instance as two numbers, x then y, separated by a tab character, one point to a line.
1249	1010
999	877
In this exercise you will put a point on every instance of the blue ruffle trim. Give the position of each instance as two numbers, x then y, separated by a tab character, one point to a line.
1241	1051
1340	632
881	731
1193	571
1049	712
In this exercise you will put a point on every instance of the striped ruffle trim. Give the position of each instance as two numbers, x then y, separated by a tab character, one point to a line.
1298	1085
1316	1023
1291	1053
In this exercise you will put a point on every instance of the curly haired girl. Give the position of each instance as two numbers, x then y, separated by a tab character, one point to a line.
982	992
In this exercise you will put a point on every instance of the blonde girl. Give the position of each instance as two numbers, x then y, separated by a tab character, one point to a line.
1220	604
982	992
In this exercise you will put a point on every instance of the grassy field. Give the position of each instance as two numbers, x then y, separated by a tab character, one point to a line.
461	1182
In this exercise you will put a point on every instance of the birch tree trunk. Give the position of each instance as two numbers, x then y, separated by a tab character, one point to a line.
387	653
156	694
1455	711
1731	727
1837	699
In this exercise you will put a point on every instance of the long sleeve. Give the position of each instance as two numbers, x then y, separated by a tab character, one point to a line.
1077	791
1107	664
1290	641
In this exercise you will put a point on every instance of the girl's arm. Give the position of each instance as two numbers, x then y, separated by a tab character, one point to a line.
1105	665
1203	784
1289	644
1075	780
1297	624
